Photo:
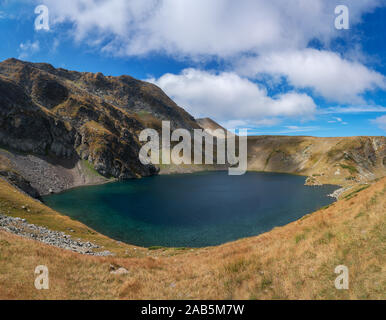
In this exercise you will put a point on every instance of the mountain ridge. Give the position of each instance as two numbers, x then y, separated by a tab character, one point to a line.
59	114
61	129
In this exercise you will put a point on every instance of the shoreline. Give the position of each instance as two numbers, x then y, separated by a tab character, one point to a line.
207	171
166	173
81	186
255	176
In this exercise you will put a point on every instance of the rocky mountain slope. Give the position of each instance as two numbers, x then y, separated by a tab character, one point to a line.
54	124
343	161
60	129
210	124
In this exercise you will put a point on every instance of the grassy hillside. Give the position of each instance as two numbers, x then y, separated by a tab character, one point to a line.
341	160
296	261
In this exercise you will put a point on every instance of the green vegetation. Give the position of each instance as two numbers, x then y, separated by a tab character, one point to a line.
326	238
300	237
271	155
156	248
143	114
265	283
236	267
352	194
5	150
90	169
360	214
350	168
333	153
181	249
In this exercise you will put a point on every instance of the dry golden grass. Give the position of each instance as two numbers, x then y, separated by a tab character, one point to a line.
12	202
296	261
5	164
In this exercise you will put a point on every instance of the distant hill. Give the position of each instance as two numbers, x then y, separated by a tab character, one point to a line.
209	124
343	161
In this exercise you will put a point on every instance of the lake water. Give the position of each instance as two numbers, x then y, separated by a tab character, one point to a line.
192	210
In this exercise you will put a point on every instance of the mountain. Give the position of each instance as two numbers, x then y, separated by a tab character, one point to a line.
60	129
78	127
209	124
342	160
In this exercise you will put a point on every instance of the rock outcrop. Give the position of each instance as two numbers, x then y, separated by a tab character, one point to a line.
22	228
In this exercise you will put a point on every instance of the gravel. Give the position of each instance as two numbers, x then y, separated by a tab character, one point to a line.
22	228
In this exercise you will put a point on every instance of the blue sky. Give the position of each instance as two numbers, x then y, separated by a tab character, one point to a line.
277	67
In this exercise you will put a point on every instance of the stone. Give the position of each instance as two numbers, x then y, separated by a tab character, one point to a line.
119	271
20	227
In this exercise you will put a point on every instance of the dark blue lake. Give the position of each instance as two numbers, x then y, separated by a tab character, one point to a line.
192	210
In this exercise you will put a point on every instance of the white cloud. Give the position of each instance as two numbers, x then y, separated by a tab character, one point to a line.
298	129
338	120
290	130
276	32
192	28
352	109
28	48
250	124
55	45
380	122
325	72
226	96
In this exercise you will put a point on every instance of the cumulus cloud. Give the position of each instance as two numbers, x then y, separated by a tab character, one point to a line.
380	122
325	72
226	96
200	27
276	33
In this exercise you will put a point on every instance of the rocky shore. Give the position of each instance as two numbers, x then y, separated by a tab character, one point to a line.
22	228
337	193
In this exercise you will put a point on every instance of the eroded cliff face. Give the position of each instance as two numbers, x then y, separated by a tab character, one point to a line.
56	114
